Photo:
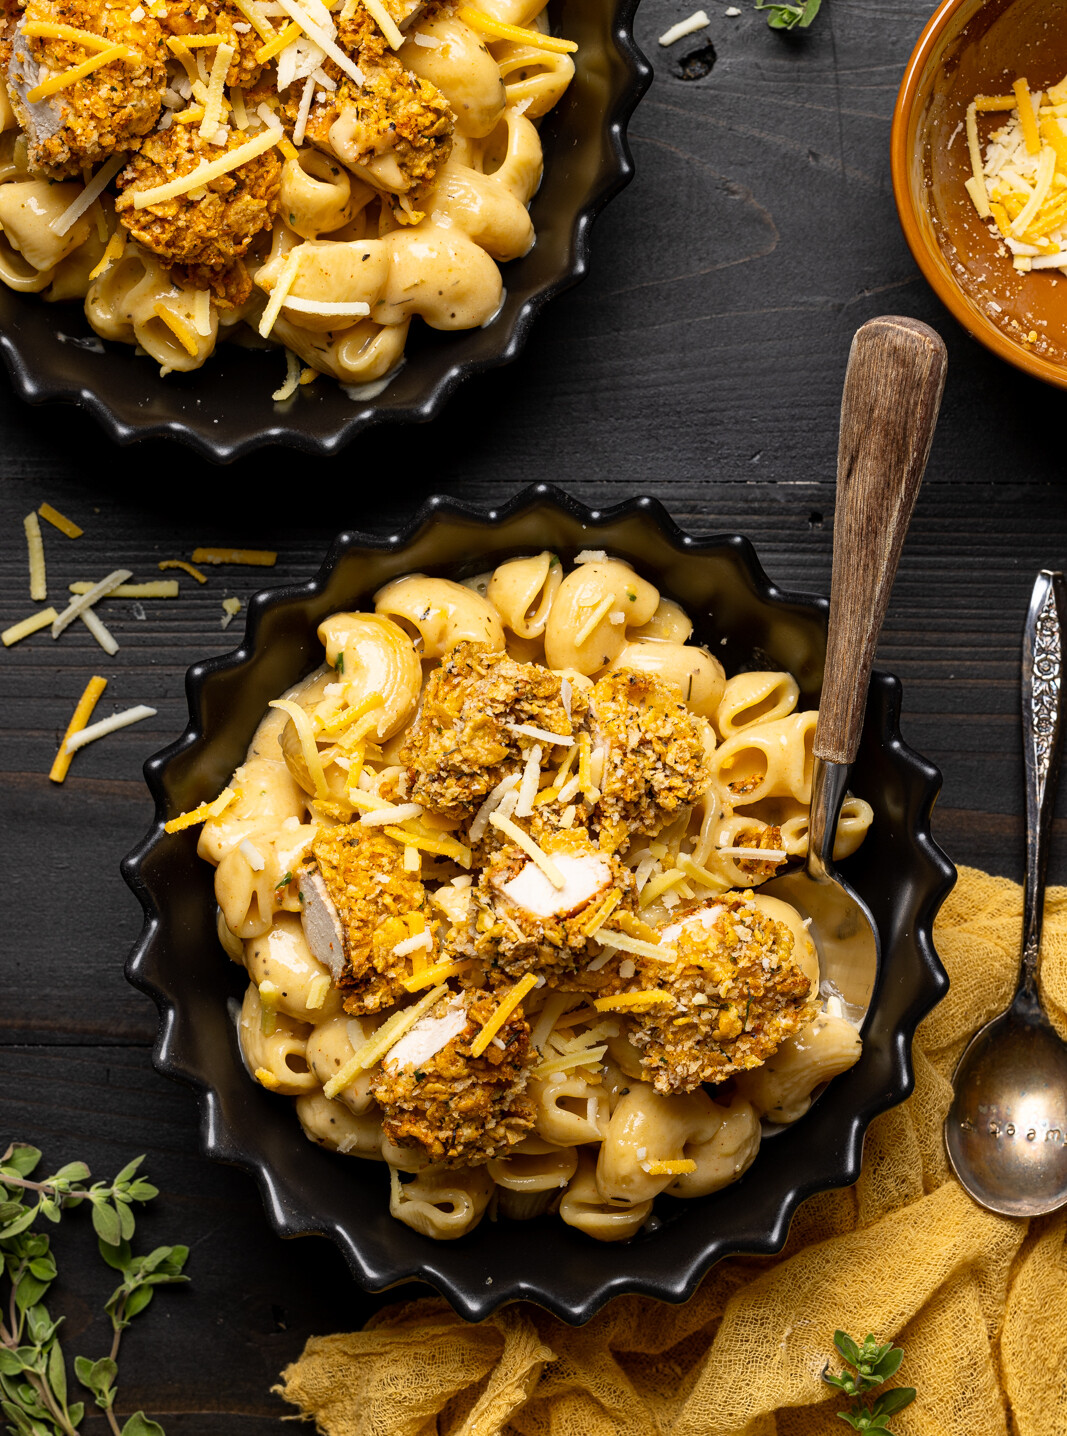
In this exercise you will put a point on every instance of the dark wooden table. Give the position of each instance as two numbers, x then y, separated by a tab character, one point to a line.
701	362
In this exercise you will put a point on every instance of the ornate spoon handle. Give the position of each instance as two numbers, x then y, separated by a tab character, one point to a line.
1043	656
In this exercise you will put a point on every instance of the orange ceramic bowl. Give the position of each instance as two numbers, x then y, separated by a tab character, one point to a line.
972	47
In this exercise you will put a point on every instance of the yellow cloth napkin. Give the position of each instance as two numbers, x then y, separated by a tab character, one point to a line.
978	1302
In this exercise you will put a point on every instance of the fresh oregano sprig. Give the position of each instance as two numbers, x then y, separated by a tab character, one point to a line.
33	1374
872	1363
783	16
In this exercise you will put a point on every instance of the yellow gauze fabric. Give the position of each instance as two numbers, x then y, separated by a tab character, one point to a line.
978	1302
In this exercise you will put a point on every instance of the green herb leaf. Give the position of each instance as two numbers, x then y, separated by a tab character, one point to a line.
140	1425
117	1256
23	1158
106	1223
73	1172
893	1401
57	1374
783	16
128	1170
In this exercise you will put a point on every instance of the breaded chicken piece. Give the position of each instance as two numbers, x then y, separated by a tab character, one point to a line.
396	129
213	230
733	992
769	838
105	113
230	285
356	896
519	922
436	1097
195	17
463	742
655	757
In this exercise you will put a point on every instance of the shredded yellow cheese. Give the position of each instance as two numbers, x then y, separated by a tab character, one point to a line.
278	42
661	883
1046	169
443	847
113	251
82	713
26	626
302	724
262	26
610	937
55	83
49	30
500	30
349	715
633	1001
59	521
205	172
318	991
976	186
376	1046
156	588
385	21
267	1079
254	557
679	1168
213	809
505	1008
602	913
1027	118
188	568
182	331
215	86
439	972
530	848
35	549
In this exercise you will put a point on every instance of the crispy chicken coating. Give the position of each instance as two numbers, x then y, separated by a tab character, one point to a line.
733	992
364	878
396	126
194	17
230	285
519	922
106	112
655	754
211	230
464	741
458	1109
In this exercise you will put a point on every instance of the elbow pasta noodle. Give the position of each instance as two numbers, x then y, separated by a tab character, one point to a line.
375	184
338	965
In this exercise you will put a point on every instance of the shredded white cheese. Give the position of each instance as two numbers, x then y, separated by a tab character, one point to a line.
96	186
677	32
99	632
86	600
252	855
107	725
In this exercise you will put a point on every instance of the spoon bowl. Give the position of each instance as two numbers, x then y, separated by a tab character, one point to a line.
1006	1133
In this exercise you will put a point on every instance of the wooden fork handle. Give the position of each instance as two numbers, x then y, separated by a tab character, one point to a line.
896	373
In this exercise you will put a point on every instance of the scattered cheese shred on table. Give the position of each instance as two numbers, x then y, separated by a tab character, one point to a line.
82	713
107	725
156	588
86	600
35	549
253	557
212	809
181	563
677	32
26	626
100	632
233	608
60	521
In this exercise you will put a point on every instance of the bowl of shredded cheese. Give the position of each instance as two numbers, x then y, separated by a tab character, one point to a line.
979	162
355	955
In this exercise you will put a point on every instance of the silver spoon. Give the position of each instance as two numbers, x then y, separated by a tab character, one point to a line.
893	385
1006	1131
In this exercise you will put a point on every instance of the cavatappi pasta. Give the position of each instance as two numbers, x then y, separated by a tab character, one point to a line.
494	871
320	171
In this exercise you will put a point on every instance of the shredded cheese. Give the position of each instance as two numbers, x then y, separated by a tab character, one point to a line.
252	13
88	598
679	1168
113	251
518	34
255	557
213	809
57	520
157	588
50	30
439	972
278	43
69	77
26	626
267	1079
542	735
633	1001
188	568
399	813
443	847
530	848
600	611
493	800
694	22
531	777
100	632
661	883
108	725
505	1008
318	991
322	39
282	286
976	186
82	713
769	855
376	1046
182	331
602	913
302	724
304	110
583	1057
636	945
231	607
342	309
1025	104
35	550
92	192
386	23
291	383
204	173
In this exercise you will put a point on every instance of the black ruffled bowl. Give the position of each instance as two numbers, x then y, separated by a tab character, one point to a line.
224	410
899	870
